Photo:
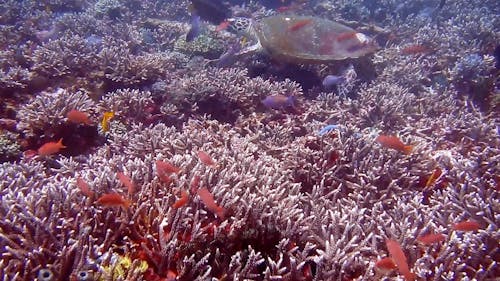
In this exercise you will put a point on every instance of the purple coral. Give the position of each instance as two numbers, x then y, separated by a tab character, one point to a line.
297	206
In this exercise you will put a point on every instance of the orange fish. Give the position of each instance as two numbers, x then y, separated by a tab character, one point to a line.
78	117
205	158
399	258
386	264
300	24
394	143
164	167
431	238
84	187
222	26
415	49
468	225
195	183
208	199
126	181
113	200
50	148
181	201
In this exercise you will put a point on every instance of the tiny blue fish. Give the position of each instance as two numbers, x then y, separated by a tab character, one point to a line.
327	129
279	101
331	80
194	31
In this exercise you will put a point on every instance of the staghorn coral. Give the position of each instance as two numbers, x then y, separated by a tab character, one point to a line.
46	111
9	148
297	205
222	92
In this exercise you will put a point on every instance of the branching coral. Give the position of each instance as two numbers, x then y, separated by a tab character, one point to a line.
48	110
278	200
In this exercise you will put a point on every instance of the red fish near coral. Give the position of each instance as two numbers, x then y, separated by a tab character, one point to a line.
164	169
84	187
113	200
78	117
222	26
431	238
399	258
208	199
126	181
50	148
415	49
386	264
468	225
394	143
205	158
181	201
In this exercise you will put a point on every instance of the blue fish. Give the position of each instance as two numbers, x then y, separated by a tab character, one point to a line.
194	31
332	80
327	129
279	101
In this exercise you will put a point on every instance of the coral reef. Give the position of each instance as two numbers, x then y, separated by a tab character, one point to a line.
206	183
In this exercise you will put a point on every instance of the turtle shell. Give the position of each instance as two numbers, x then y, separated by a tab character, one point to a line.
306	39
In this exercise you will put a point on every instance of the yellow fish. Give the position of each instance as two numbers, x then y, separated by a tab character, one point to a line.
105	120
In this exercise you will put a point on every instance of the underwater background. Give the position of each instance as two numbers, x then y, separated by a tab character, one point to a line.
146	140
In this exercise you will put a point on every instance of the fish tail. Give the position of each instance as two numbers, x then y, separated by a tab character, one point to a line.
220	212
408	149
61	145
291	101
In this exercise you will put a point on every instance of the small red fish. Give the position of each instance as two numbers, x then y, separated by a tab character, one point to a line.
222	26
346	36
127	182
113	200
195	183
208	199
399	258
181	201
468	225
205	158
84	187
50	148
394	143
299	25
78	117
386	264
431	238
166	168
415	49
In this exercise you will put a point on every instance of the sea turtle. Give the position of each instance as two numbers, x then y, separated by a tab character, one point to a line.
302	39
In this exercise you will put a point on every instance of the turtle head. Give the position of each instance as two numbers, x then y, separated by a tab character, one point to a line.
241	26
